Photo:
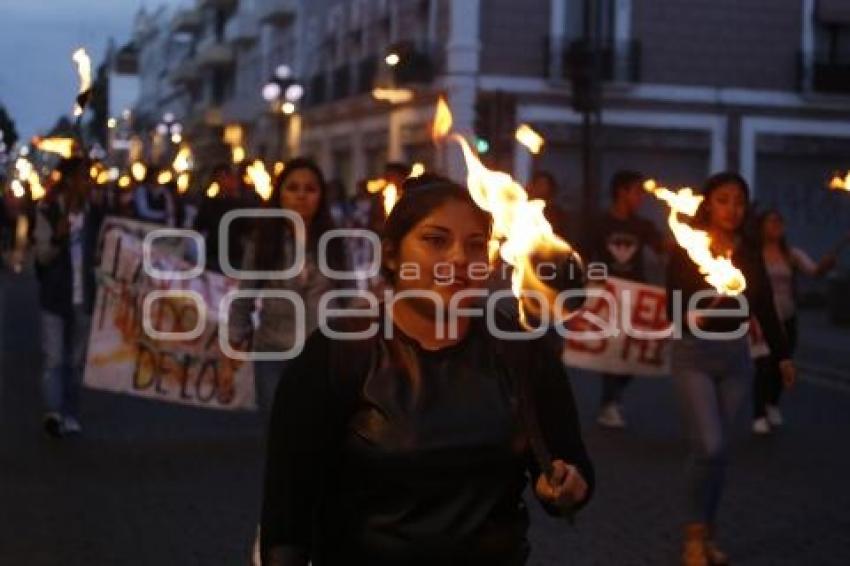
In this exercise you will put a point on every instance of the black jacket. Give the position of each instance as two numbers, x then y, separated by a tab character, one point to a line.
53	258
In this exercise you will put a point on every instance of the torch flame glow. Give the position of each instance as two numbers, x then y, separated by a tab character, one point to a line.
138	170
183	160
83	62
526	135
442	120
719	272
61	146
164	177
261	179
212	190
416	171
390	198
840	183
18	189
238	154
182	182
376	185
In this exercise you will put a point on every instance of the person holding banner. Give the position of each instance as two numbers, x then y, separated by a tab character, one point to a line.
711	364
784	264
65	238
407	446
301	188
618	240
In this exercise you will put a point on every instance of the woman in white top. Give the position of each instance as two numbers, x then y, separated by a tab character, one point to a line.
783	263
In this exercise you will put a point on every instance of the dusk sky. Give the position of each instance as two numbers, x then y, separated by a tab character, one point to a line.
38	80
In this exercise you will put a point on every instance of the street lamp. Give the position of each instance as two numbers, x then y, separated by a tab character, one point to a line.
392	59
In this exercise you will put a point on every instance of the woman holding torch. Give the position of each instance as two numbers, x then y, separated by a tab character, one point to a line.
412	447
711	364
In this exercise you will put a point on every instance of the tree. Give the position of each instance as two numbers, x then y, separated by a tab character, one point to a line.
7	127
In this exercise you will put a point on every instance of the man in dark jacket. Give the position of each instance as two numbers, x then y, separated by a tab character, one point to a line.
65	237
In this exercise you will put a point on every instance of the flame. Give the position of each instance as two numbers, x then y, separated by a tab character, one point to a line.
393	95
138	170
183	182
416	171
37	190
94	171
124	181
83	62
238	154
183	160
719	272
520	226
213	190
18	189
526	135
840	183
278	168
442	120
376	185
103	177
61	146
260	178
390	198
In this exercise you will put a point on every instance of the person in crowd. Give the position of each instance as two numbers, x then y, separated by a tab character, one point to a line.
65	238
301	189
412	447
711	373
618	240
543	186
785	264
153	202
211	212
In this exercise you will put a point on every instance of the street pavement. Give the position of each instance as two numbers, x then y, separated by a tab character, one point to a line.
156	484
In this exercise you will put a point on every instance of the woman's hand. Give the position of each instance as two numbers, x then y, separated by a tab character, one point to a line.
789	373
563	487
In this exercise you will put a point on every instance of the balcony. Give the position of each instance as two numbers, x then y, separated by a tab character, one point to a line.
277	12
242	109
317	90
341	83
212	53
242	29
826	74
186	21
185	72
618	62
218	4
367	70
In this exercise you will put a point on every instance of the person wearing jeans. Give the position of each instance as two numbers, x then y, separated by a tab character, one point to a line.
65	237
711	366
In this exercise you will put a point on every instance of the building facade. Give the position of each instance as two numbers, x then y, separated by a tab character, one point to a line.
762	87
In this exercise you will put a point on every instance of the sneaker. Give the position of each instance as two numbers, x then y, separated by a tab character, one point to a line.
774	416
761	426
611	417
693	547
72	425
52	423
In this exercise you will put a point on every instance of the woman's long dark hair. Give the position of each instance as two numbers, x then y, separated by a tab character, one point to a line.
783	241
272	232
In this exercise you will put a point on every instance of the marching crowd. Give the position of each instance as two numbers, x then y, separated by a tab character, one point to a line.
416	448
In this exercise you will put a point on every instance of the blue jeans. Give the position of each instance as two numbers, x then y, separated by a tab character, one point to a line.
712	379
64	344
266	378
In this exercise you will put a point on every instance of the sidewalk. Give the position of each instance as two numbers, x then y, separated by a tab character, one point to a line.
823	348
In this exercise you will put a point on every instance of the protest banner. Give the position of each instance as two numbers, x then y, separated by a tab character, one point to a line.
624	330
157	337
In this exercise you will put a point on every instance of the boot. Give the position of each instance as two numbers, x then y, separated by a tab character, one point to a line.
693	548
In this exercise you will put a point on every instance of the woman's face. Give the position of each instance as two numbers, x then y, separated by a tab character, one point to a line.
727	206
773	228
301	193
445	253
